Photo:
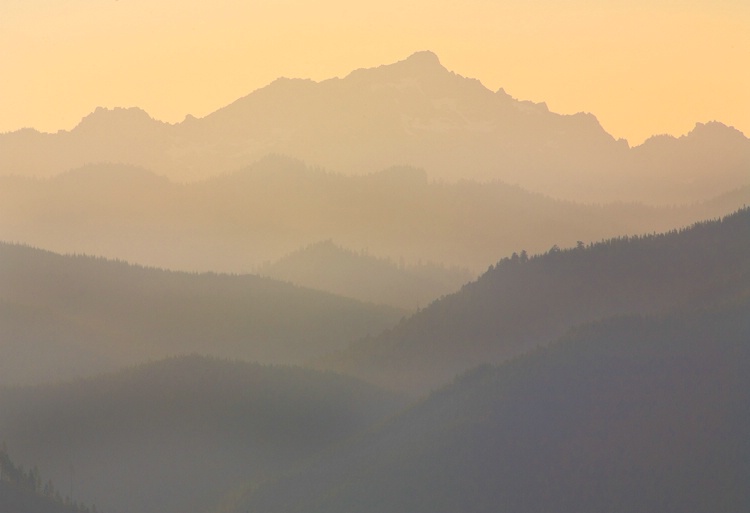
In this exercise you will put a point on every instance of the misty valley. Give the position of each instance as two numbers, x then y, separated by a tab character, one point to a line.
392	292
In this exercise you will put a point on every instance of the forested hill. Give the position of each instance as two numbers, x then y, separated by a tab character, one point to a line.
522	302
630	414
24	491
66	316
175	435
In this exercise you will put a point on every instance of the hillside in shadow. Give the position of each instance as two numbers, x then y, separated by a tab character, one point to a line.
524	302
175	435
629	414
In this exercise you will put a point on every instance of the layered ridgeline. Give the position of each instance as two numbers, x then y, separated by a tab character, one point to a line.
177	436
238	221
414	112
327	266
64	316
524	302
630	414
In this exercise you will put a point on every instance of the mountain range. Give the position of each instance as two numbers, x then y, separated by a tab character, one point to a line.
410	113
621	384
167	351
238	221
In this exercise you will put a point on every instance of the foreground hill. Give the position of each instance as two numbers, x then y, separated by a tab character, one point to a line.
176	435
25	491
630	414
15	499
236	222
327	266
524	302
68	316
413	112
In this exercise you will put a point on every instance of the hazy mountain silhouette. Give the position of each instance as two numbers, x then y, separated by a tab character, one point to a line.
175	436
238	221
631	414
327	266
413	112
68	316
521	303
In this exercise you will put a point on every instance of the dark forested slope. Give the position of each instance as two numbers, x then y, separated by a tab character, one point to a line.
630	414
522	302
72	315
174	436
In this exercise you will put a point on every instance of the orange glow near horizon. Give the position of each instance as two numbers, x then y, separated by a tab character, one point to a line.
642	68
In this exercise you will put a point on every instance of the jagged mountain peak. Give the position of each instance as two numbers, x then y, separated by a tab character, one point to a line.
424	58
103	118
712	132
715	129
418	65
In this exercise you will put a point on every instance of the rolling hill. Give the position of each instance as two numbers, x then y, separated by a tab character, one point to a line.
65	316
176	435
327	266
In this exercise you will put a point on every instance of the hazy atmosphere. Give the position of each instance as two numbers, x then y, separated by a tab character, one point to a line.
296	257
643	68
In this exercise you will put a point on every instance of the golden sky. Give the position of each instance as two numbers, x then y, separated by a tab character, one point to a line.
642	67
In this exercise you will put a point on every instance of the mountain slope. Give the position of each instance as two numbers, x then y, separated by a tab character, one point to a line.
521	303
413	112
631	414
175	435
68	316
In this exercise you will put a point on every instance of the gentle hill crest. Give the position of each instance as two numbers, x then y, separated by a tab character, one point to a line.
328	266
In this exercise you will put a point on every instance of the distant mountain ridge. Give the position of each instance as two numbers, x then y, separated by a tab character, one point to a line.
237	221
413	112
